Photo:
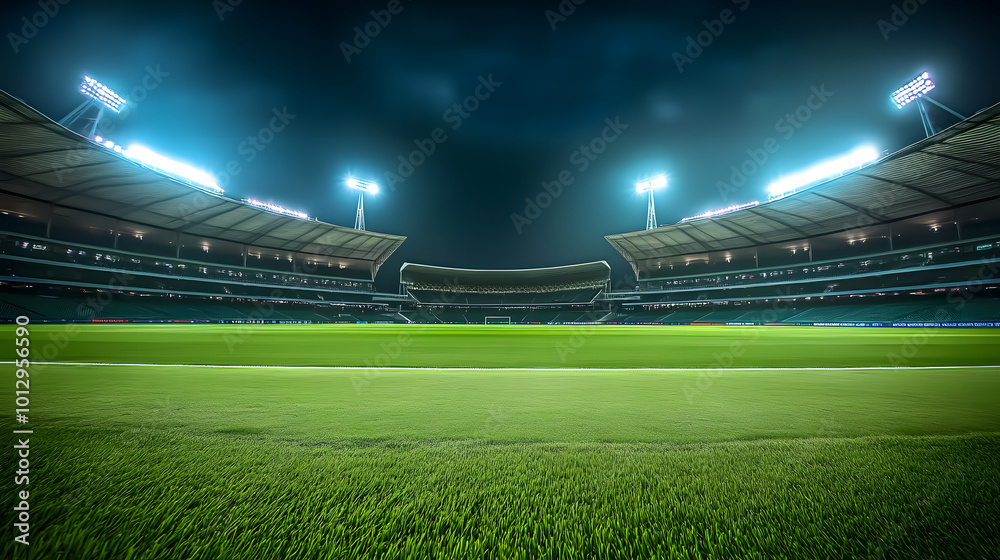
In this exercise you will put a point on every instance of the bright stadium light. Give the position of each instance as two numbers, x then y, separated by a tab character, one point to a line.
362	187
183	171
721	211
361	184
102	93
275	208
916	90
650	185
98	95
823	170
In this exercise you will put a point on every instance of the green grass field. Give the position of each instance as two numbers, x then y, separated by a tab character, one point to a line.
380	461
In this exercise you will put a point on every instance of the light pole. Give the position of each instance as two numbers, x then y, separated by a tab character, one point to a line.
362	187
650	185
98	95
917	90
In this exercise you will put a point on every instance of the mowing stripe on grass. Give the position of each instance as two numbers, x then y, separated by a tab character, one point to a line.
423	368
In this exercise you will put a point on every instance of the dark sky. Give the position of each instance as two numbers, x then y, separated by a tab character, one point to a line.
223	70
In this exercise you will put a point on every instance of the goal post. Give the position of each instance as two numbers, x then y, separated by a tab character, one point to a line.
497	320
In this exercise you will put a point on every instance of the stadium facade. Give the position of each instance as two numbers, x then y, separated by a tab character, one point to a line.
89	235
912	238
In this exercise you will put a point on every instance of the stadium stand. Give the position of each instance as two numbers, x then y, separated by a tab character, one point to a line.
78	219
922	223
88	235
538	295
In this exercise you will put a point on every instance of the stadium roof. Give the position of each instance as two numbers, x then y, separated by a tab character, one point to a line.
461	279
956	167
43	160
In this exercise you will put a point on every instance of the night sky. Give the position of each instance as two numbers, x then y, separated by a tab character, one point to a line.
619	79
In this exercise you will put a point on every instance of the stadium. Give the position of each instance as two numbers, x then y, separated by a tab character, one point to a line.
897	242
814	375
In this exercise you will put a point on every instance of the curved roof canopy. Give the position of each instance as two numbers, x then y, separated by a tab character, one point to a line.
594	274
42	160
954	168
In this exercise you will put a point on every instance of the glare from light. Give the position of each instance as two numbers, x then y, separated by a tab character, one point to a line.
917	88
657	182
362	185
102	93
276	209
107	143
177	169
823	170
721	211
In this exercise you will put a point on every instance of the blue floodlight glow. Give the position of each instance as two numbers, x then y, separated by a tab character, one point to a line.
915	89
361	184
275	208
102	93
721	211
823	170
657	182
182	171
107	143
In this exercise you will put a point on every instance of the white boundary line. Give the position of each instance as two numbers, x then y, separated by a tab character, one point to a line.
419	368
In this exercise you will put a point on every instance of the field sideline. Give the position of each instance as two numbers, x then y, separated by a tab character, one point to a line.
385	461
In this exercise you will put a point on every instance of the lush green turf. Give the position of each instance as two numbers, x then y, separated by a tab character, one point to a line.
528	346
167	462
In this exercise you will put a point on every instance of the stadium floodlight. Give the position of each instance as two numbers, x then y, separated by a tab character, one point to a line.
650	185
361	184
362	187
916	90
183	171
98	95
102	93
721	211
823	170
276	208
109	144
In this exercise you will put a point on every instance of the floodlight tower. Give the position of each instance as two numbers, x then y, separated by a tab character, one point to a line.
917	89
362	186
98	95
650	185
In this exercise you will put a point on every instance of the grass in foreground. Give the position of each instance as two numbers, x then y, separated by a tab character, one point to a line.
224	463
109	494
